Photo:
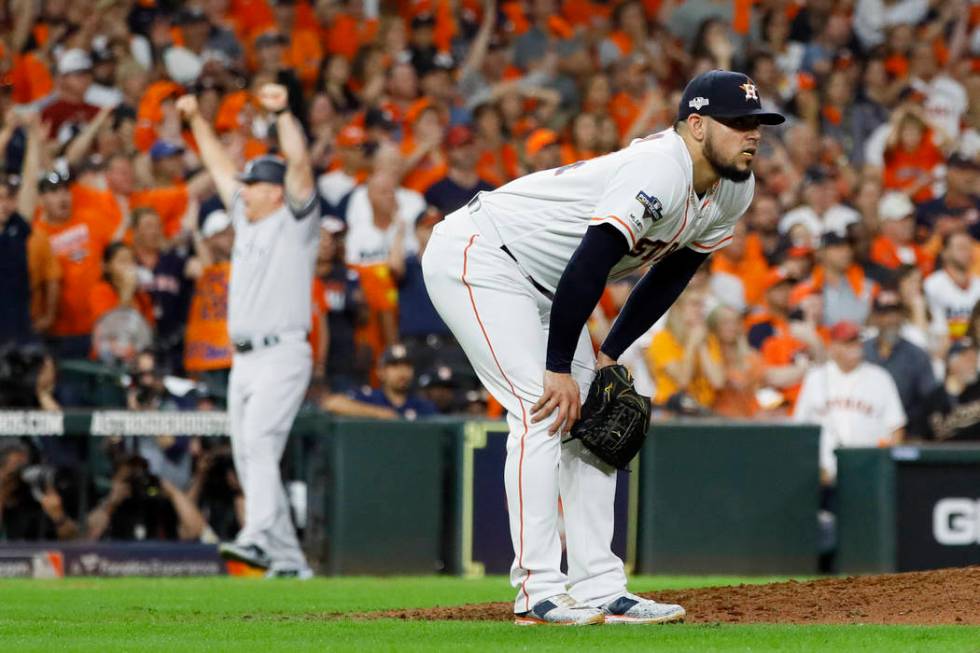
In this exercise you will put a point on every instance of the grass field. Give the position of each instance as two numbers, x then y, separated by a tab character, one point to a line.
229	614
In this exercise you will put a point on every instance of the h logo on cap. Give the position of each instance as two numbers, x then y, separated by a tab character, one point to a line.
750	92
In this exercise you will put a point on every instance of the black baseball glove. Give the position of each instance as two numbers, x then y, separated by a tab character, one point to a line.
615	417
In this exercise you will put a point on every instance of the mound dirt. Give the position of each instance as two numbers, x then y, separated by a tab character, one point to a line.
945	596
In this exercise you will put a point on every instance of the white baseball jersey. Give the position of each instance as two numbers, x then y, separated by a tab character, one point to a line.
949	303
645	191
334	186
272	270
856	409
366	244
945	102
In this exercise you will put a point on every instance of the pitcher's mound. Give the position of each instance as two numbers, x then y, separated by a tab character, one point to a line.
945	596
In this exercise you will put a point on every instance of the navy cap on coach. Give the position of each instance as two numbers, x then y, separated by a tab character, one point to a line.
724	94
268	169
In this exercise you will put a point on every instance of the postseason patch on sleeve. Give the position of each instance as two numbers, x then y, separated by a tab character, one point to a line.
652	208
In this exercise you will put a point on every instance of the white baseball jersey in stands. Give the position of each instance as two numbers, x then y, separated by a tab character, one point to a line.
645	191
950	303
856	409
366	244
334	186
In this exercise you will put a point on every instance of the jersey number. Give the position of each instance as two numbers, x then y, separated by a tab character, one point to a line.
648	250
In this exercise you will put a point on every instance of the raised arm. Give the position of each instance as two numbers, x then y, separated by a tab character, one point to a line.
274	98
478	49
79	147
213	154
31	170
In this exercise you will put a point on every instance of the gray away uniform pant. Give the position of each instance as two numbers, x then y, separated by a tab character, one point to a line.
265	391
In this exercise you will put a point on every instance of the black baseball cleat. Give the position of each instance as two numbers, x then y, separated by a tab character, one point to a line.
297	573
250	554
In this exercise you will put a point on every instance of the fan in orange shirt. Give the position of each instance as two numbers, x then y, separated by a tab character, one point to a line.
113	205
789	353
498	162
584	139
119	287
207	345
542	151
911	154
320	329
30	78
425	161
156	105
744	259
743	366
627	105
78	239
896	245
302	52
345	32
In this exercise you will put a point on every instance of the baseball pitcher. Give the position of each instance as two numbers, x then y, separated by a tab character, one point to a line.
516	273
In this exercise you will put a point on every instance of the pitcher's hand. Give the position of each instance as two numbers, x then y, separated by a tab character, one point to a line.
561	392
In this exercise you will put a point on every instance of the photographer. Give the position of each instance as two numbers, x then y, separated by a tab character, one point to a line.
216	491
31	507
142	506
27	378
168	456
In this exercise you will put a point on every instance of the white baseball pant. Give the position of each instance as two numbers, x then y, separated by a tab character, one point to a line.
501	321
265	391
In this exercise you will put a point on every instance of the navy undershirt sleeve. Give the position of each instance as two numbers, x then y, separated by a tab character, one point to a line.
650	299
579	290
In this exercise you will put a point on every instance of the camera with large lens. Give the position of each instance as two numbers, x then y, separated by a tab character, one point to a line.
38	478
20	366
142	484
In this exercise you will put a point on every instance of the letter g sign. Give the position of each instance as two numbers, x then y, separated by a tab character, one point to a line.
956	522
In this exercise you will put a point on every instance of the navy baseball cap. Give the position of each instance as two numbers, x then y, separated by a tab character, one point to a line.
724	94
268	169
395	355
164	149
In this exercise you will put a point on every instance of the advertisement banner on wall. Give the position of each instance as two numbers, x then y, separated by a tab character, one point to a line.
158	559
938	516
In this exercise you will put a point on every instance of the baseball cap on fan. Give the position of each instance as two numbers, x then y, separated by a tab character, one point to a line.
74	61
724	94
845	331
268	169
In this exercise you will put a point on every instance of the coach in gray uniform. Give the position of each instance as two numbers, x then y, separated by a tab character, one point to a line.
275	213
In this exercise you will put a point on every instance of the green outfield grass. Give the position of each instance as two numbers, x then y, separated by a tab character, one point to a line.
229	614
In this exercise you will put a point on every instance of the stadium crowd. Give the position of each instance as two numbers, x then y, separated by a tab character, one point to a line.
115	249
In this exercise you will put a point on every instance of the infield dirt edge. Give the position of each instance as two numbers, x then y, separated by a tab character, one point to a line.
928	598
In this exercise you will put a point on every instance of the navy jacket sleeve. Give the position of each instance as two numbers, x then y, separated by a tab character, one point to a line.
650	299
579	290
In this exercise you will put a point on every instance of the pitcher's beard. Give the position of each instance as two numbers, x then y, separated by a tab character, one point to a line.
722	169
